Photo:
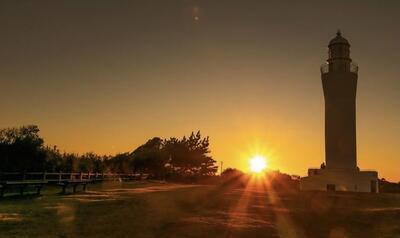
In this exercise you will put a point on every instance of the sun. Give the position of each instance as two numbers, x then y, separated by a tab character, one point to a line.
257	164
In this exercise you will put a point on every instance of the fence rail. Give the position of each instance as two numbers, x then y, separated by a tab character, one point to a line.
57	177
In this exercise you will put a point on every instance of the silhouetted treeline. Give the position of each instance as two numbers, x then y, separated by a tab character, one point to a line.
23	150
388	187
275	180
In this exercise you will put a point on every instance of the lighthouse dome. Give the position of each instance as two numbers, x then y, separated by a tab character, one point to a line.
339	39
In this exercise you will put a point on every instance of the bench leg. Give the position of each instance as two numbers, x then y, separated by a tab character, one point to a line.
38	190
84	187
63	189
74	188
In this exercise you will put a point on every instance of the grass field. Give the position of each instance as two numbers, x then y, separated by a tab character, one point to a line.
151	209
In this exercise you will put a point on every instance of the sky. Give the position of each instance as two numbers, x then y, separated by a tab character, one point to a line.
106	76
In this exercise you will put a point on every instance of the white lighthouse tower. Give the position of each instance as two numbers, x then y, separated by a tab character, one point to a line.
339	80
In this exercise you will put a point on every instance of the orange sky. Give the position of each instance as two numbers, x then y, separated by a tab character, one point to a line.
107	77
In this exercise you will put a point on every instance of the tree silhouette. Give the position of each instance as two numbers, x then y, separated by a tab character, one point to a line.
21	149
190	156
149	158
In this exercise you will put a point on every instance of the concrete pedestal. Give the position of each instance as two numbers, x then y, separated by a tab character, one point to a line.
340	180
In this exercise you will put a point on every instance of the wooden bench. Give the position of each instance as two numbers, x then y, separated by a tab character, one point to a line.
22	185
74	183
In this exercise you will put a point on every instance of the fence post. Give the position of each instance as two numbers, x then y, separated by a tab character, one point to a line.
80	175
59	176
44	175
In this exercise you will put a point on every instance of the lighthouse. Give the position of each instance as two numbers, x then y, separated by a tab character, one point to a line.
339	77
339	82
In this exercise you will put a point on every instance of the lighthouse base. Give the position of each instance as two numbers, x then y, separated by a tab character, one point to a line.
340	180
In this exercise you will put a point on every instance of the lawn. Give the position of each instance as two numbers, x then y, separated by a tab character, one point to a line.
152	209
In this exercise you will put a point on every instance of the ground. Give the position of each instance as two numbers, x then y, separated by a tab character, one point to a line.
154	209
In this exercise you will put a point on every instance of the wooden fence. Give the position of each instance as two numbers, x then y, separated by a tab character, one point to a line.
61	176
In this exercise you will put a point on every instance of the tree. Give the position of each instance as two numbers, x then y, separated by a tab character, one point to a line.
231	172
150	158
21	149
54	159
232	177
190	156
120	163
90	162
